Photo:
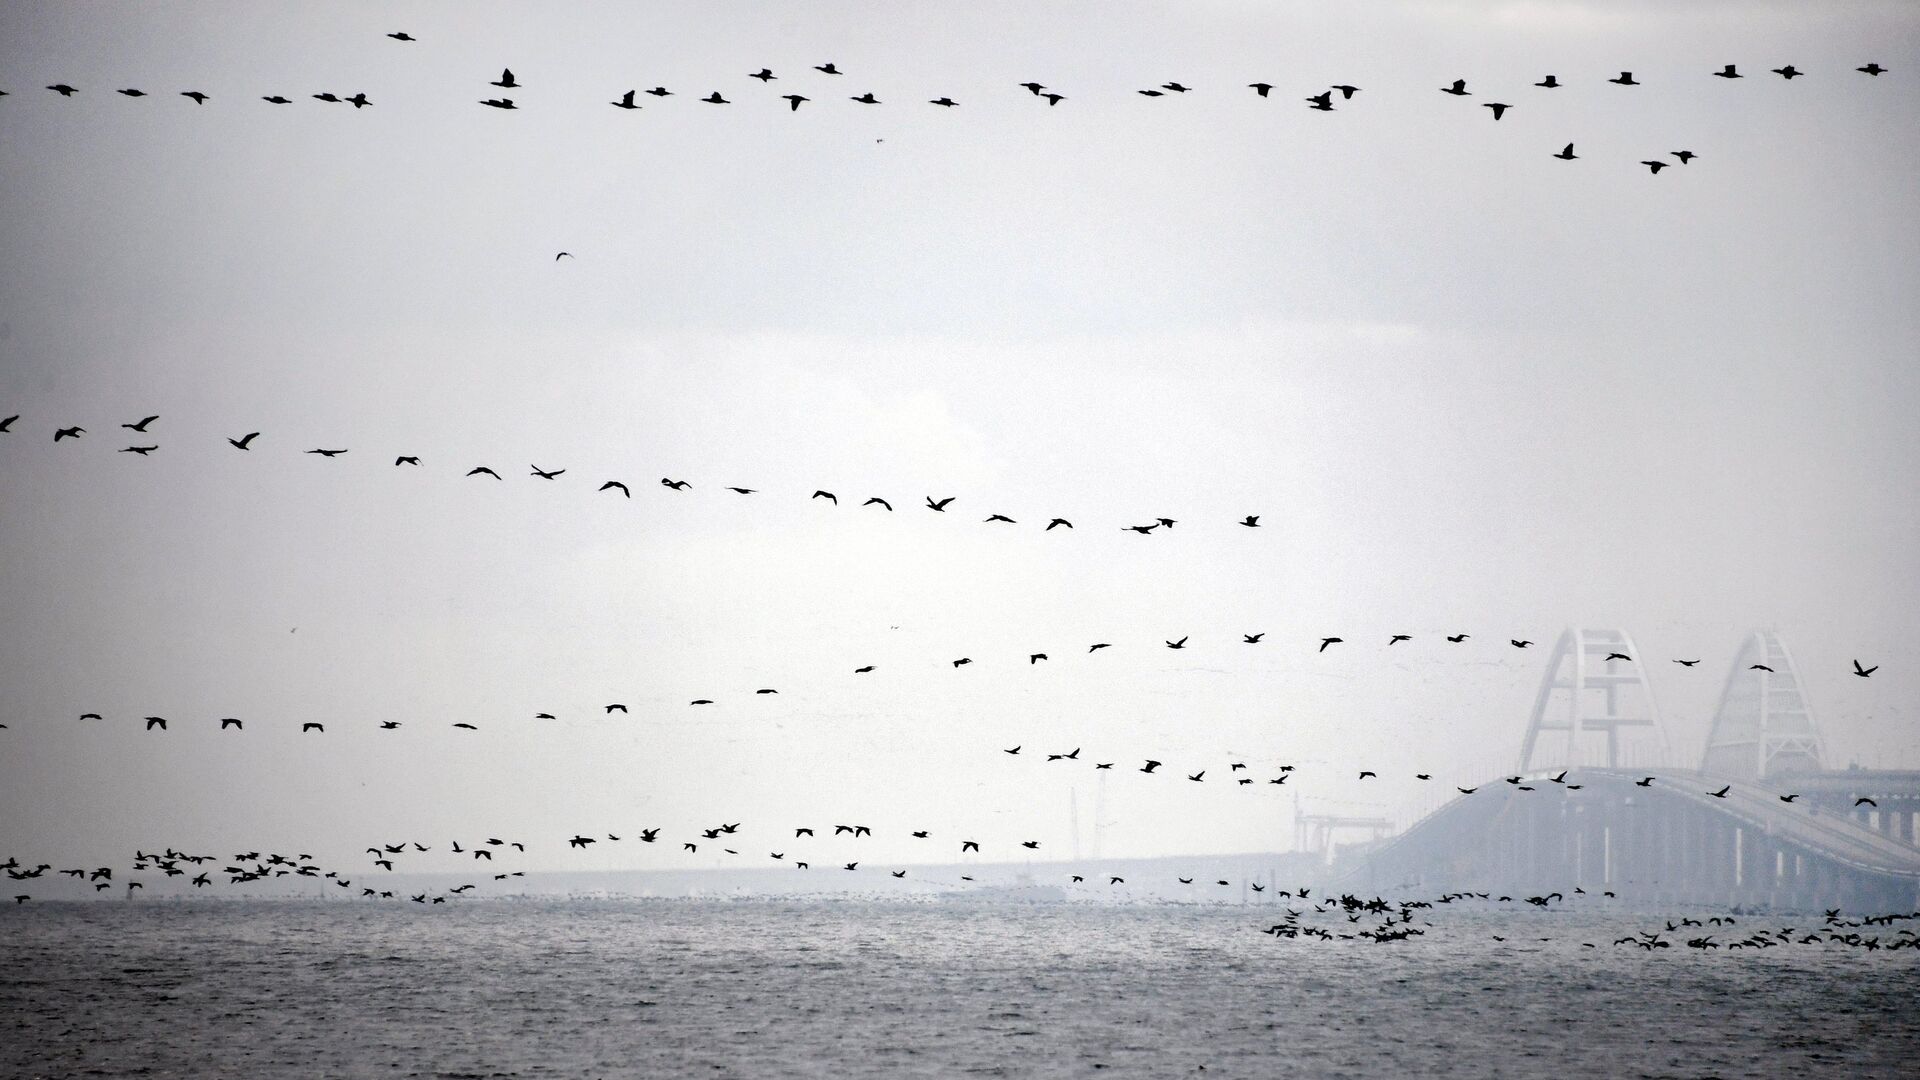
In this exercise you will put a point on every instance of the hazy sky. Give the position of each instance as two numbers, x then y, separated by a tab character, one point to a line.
1466	386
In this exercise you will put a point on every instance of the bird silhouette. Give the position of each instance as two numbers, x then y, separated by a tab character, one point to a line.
327	453
479	470
1015	750
963	660
1789	798
793	101
1871	69
1458	89
241	442
1149	766
132	93
715	99
941	505
616	485
1759	667
500	103
944	102
1654	166
1466	790
1625	79
1549	82
506	80
68	433
1181	644
1199	777
765	75
1567	154
8	422
1034	658
63	89
1518	643
1686	663
359	100
1253	639
311	726
1499	108
1685	156
403	36
1788	72
1322	101
659	91
141	427
625	102
1864	672
866	99
1864	801
1261	88
335	98
229	721
1644	782
1324	642
406	459
1617	656
143	451
547	475
1251	521
827	495
999	517
677	485
828	69
1729	72
1397	638
1722	793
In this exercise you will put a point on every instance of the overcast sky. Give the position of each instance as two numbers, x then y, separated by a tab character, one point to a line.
1467	387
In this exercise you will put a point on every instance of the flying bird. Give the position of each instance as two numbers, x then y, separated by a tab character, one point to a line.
1458	89
1686	663
946	102
715	99
1253	639
616	485
828	69
241	442
963	660
1518	643
765	75
1458	638
403	36
1346	92
866	99
1871	69
1654	166
1617	656
1788	72
1397	638
546	475
1729	72
506	80
677	485
1499	108
132	93
1324	642
941	505
1864	801
1549	82
406	459
1322	101
62	89
1261	88
659	91
143	451
1760	667
827	495
479	469
1685	156
625	102
1722	793
1864	672
1567	154
1149	766
1057	521
1097	646
141	427
500	103
68	433
1181	644
359	100
1251	521
999	517
327	453
1625	79
793	101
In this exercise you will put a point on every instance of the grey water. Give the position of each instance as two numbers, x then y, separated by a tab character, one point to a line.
665	988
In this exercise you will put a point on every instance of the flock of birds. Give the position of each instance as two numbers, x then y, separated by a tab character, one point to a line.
233	723
620	488
824	75
1376	920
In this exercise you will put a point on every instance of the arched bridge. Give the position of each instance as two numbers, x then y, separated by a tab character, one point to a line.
1759	825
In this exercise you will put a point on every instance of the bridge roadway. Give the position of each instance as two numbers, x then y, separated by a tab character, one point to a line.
1670	842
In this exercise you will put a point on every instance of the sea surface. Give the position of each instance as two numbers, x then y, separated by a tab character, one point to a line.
892	989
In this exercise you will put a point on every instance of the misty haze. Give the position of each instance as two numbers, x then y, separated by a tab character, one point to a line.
1014	539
